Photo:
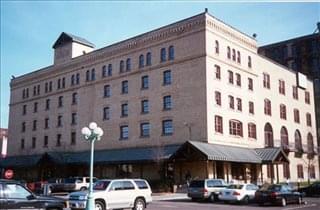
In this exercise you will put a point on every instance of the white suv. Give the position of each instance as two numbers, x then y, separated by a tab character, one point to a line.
115	194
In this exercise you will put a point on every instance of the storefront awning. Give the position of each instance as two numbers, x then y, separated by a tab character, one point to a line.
20	161
205	151
128	155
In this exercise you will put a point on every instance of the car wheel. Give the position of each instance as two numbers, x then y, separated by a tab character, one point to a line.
83	188
99	205
300	200
283	202
139	204
245	200
212	198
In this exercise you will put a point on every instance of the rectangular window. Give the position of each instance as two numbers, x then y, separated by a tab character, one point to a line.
125	87
47	104
34	127
283	112
60	101
295	92
239	104
46	123
286	170
266	80
24	109
167	127
167	103
307	97
235	128
270	171
296	115
74	98
34	142
59	123
45	141
106	113
124	132
22	144
145	129
35	107
163	56
251	107
217	71
23	127
144	106
308	117
58	143
312	172
252	131
230	73
107	91
267	107
282	89
144	82
300	171
238	79
217	97
124	110
74	119
73	138
231	102
167	77
218	124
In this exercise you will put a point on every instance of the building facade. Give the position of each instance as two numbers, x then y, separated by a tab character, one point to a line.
193	97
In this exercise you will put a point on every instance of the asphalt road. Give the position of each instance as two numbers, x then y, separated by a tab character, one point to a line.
186	204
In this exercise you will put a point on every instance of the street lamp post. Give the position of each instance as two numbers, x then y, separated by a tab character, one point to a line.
91	134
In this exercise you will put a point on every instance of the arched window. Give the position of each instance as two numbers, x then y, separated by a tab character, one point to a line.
163	55
128	64
217	47
171	53
284	139
148	59
310	146
298	143
141	61
267	107
268	135
235	127
228	52
238	57
121	66
233	54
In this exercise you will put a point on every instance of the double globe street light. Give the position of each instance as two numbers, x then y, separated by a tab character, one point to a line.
91	134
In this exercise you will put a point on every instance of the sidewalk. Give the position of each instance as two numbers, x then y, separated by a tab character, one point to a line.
168	196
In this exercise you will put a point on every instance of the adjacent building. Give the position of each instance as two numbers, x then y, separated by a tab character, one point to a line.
301	54
191	98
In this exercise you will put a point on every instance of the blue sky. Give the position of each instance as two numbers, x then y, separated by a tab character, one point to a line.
29	29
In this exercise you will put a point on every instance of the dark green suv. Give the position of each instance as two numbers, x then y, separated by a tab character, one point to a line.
14	195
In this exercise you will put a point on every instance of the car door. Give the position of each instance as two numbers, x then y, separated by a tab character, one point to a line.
129	193
115	195
18	197
250	190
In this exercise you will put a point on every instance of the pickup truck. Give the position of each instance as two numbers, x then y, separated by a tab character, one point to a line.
115	194
70	184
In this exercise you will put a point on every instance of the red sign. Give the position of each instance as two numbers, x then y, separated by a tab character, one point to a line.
8	174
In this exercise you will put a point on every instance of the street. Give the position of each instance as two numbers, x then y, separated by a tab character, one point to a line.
186	204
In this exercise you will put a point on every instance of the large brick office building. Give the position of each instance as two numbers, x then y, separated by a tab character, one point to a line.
191	97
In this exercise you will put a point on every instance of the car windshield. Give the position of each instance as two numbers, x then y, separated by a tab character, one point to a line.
197	183
235	186
271	188
101	185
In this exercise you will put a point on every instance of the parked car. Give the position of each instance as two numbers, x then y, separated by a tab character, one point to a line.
278	194
311	190
206	189
14	195
115	194
238	192
70	184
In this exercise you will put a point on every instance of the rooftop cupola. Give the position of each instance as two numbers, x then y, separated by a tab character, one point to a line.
69	46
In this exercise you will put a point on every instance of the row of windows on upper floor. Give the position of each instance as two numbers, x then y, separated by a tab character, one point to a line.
145	131
167	80
232	54
266	83
267	108
236	129
106	71
106	115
